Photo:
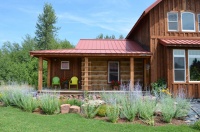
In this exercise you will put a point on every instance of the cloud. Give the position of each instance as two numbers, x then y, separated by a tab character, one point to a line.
116	24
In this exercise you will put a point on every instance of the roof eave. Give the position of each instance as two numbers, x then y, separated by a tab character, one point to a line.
142	16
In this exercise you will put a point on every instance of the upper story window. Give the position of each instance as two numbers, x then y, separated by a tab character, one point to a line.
172	21
188	21
199	21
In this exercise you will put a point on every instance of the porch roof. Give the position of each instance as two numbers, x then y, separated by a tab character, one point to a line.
97	47
185	42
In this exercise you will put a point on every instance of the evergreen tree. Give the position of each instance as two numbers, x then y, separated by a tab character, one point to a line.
45	28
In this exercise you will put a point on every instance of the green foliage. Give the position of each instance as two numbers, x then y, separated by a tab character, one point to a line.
196	125
101	36
74	102
129	108
6	97
89	110
167	108
158	86
20	96
102	110
182	107
49	103
15	120
146	110
113	112
28	103
45	28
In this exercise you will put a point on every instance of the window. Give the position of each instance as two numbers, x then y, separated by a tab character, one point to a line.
194	64
188	21
172	21
199	21
65	65
113	71
179	65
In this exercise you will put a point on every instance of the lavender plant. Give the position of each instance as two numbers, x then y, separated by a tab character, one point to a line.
129	107
146	108
49	103
167	108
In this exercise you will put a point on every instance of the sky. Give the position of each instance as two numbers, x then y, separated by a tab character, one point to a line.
77	19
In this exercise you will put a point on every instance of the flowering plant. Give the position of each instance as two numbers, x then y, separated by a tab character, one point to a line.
115	83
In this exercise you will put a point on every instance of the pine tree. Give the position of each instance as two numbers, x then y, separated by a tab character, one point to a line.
45	28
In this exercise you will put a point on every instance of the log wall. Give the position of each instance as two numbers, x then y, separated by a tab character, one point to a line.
98	72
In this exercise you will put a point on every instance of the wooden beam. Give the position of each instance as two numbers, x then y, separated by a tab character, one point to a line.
40	69
86	74
49	73
131	73
145	73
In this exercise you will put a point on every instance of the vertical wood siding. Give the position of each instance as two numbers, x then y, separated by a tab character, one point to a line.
75	69
153	26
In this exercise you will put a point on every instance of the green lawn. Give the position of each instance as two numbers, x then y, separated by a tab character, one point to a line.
15	120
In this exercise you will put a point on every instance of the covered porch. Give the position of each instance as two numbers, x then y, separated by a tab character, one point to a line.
96	65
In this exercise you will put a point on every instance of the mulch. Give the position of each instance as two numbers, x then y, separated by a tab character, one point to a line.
157	119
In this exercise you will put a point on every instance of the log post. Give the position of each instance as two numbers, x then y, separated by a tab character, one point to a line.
131	87
40	70
49	74
145	73
86	74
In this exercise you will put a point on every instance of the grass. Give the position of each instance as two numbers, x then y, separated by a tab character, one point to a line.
16	120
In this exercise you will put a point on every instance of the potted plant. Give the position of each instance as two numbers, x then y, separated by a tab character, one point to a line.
115	84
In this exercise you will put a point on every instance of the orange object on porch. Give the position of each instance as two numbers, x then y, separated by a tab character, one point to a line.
73	81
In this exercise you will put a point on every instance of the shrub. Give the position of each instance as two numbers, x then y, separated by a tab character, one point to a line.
102	110
158	86
146	110
6	97
74	102
167	108
129	108
89	111
196	125
112	112
182	107
28	103
49	103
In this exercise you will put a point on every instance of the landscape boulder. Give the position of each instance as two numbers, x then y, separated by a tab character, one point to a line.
64	108
74	109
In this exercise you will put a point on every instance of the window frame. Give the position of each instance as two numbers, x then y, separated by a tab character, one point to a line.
193	23
109	62
198	16
184	65
64	68
189	64
172	21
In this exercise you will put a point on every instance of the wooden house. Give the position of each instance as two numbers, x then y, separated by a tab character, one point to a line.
164	43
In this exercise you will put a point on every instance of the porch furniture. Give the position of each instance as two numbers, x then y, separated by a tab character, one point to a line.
73	81
56	81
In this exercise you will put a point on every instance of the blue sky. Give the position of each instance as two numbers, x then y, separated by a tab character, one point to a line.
76	18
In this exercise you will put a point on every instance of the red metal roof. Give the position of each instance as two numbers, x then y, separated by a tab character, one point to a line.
178	42
98	47
143	15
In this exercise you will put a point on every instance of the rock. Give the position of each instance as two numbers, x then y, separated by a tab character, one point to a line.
94	97
37	110
64	108
74	109
96	102
188	121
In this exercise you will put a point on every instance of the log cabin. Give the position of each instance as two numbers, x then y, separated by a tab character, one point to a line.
163	43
